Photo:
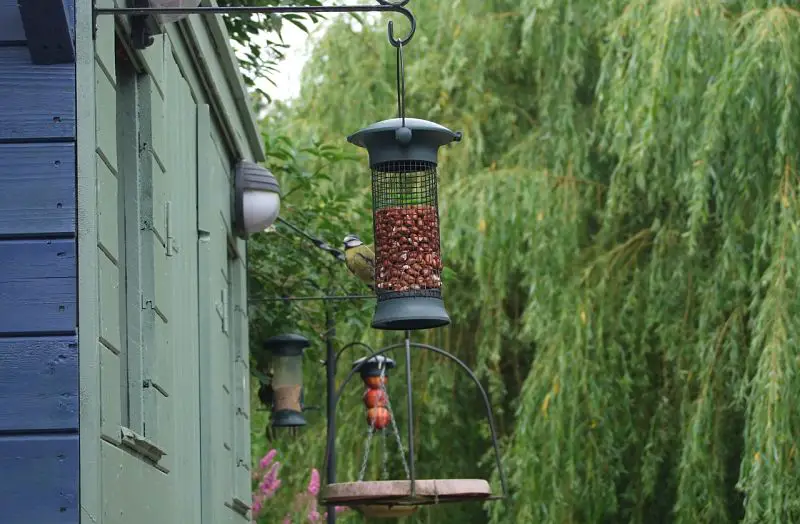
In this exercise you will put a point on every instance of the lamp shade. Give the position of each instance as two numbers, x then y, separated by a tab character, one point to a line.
257	198
287	379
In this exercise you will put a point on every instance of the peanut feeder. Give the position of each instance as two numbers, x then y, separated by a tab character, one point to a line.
403	156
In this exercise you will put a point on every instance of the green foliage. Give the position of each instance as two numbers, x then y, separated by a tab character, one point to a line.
622	216
259	42
282	264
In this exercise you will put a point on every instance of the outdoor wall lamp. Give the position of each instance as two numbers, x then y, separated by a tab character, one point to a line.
256	199
287	379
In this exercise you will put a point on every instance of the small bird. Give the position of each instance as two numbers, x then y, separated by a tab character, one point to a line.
360	260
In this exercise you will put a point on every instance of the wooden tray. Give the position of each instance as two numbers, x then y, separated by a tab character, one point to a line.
385	492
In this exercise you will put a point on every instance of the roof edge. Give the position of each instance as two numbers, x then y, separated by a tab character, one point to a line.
235	82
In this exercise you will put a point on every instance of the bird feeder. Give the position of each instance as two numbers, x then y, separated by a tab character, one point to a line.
403	157
375	375
287	379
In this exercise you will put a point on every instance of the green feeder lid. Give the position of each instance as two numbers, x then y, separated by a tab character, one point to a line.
390	141
286	345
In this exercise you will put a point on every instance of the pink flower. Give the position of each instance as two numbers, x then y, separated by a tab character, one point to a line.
314	516
314	483
340	509
269	489
271	481
268	458
258	505
287	520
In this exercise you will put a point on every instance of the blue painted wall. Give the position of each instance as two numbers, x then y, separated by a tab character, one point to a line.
39	466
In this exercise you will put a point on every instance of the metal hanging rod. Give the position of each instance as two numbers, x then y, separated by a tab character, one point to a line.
321	298
319	243
384	6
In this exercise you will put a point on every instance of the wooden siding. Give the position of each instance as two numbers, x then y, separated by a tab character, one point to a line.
224	371
152	297
39	445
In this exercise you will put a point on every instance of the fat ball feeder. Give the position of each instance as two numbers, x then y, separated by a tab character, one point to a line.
374	374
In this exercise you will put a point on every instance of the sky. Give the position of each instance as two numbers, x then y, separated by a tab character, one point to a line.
288	76
287	79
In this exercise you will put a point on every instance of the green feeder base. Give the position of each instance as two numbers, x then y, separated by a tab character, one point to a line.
287	419
410	313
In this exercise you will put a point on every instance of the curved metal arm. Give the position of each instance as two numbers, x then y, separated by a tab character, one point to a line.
353	344
487	404
383	6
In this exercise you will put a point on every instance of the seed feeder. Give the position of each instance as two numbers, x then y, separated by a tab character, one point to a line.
287	379
403	157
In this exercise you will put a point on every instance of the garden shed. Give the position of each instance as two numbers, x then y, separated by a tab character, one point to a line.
123	320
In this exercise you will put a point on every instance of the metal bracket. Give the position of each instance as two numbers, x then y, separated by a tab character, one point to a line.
144	25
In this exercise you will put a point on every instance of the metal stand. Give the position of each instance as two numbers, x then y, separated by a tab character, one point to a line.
411	463
420	492
330	372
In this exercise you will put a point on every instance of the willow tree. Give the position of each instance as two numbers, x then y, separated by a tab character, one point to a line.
622	219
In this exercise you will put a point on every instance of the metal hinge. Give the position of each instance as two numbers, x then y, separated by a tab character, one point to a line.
239	309
239	506
147	225
148	383
222	310
169	242
146	302
141	445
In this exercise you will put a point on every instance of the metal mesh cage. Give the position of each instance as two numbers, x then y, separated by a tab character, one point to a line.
407	251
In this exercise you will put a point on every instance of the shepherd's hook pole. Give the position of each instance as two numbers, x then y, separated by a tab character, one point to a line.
330	372
411	468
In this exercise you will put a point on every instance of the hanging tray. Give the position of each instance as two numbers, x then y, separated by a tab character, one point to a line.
373	495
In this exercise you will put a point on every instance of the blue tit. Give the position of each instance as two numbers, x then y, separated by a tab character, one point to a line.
360	260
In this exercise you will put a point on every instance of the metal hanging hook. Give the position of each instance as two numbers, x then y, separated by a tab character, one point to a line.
401	86
399	5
